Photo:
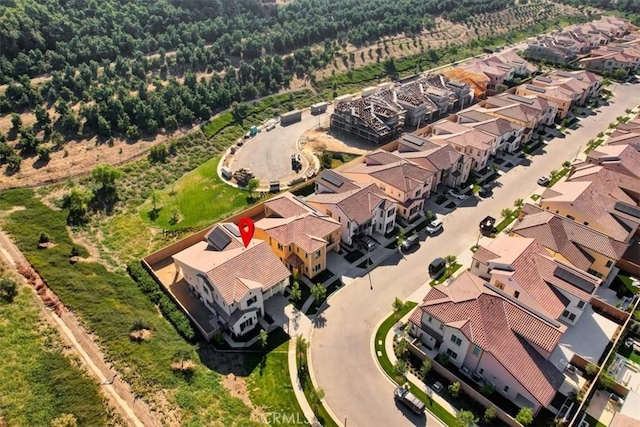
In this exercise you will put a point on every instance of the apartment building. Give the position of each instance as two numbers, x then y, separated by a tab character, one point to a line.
508	135
467	140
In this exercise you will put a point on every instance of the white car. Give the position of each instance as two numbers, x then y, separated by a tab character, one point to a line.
434	226
456	194
543	181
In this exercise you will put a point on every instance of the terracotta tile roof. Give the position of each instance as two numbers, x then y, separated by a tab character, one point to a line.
412	142
381	157
234	270
308	232
442	157
621	158
405	177
484	255
617	183
518	112
565	236
547	268
359	205
496	126
503	329
286	206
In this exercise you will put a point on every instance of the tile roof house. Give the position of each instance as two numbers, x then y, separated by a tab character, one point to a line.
449	166
592	80
570	242
560	96
521	66
232	281
612	58
593	204
508	135
524	269
518	110
622	158
402	180
628	136
470	141
363	210
298	234
494	337
495	70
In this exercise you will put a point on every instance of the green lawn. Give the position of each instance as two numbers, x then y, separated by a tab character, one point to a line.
199	198
269	383
448	418
446	275
38	382
558	177
109	303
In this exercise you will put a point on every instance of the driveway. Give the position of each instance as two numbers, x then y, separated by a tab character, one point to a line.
268	154
341	348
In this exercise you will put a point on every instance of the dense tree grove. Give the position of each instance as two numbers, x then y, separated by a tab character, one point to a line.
632	6
123	68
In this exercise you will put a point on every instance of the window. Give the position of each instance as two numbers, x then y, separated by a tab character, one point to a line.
499	285
476	350
586	223
481	371
280	247
571	217
594	273
477	264
244	325
569	315
452	354
609	264
391	212
316	268
456	340
506	388
339	219
429	319
252	300
441	327
580	304
417	193
318	253
516	294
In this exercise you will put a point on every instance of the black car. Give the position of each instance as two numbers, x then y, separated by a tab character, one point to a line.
485	191
437	267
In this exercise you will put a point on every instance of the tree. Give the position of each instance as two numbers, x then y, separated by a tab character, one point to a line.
77	203
554	173
489	414
8	288
425	368
44	153
16	121
326	160
106	176
402	347
252	186
506	213
450	261
263	338
465	418
454	389
591	368
400	367
606	381
65	420
400	237
525	416
487	389
319	292
155	198
296	293
518	204
398	305
317	394
566	164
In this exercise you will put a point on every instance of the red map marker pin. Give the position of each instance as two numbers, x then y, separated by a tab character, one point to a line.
246	230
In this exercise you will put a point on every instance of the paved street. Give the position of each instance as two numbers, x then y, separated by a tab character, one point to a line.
268	154
341	346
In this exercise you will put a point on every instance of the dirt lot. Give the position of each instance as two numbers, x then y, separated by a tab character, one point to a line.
321	140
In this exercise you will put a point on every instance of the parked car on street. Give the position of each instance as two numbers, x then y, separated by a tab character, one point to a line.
543	181
410	242
437	267
402	394
456	194
434	226
485	191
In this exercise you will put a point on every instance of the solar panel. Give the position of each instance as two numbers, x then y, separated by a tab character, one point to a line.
232	228
333	179
412	139
520	99
536	89
218	238
628	209
574	279
544	79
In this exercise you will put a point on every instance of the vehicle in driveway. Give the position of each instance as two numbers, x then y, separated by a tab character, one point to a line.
543	181
434	226
456	194
437	267
437	386
366	242
410	242
402	394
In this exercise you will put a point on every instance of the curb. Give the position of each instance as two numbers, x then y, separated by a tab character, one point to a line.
295	382
375	357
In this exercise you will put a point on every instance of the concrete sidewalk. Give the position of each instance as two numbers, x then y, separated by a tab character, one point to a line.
297	386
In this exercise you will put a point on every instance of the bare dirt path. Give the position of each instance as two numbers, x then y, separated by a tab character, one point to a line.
119	393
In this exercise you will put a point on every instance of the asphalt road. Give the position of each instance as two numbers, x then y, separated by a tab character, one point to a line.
341	347
268	154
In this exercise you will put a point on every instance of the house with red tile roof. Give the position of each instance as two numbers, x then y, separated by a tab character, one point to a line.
612	58
298	234
523	269
622	158
571	242
467	140
508	135
365	209
232	281
450	167
560	96
400	179
494	337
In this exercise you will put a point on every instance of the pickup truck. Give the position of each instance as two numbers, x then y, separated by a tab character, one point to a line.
403	395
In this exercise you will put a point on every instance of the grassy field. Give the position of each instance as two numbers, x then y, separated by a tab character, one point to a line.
268	380
109	304
199	198
38	382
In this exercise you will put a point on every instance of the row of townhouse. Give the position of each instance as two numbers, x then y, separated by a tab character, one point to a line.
519	314
564	46
617	56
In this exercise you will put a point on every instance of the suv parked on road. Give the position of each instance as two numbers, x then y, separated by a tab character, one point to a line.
402	394
437	267
410	242
434	226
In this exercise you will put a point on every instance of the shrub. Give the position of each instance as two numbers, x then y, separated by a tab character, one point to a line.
168	309
8	289
400	367
454	389
489	414
425	368
525	416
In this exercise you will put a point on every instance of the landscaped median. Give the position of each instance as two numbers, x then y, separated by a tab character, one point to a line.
386	365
